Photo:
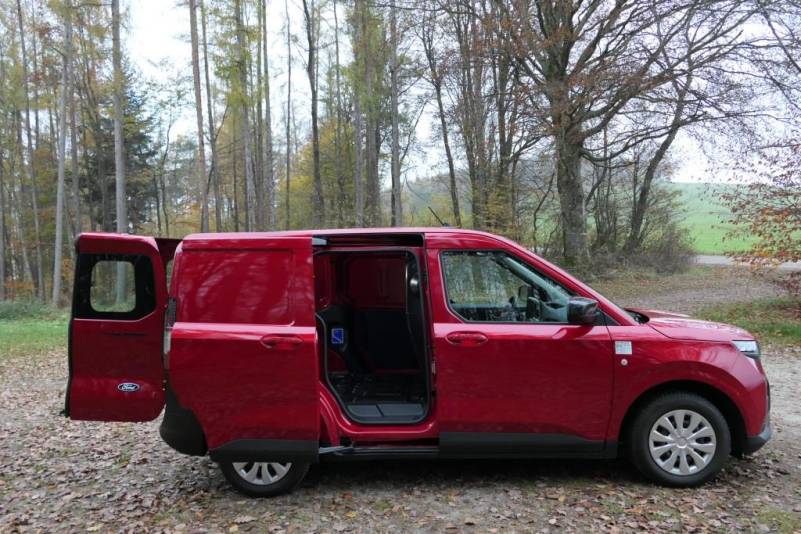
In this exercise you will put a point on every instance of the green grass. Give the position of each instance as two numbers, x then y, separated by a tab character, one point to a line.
29	327
704	214
28	336
775	321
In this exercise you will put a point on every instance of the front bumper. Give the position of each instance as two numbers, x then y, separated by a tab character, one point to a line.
754	443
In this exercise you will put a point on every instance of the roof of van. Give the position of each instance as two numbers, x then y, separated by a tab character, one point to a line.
340	231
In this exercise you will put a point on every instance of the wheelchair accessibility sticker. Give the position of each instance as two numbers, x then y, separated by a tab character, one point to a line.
337	336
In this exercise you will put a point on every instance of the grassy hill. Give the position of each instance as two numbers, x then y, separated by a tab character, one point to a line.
705	215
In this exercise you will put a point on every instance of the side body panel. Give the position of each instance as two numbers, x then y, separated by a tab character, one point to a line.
657	359
243	351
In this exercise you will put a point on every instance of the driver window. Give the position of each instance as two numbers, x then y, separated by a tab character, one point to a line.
492	286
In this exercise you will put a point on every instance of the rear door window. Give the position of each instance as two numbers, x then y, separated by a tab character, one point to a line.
111	286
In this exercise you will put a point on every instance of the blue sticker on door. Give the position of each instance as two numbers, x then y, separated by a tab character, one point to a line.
337	336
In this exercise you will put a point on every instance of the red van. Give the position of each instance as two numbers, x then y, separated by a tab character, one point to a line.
269	351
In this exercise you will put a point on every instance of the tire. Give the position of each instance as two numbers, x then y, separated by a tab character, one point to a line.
691	443
254	478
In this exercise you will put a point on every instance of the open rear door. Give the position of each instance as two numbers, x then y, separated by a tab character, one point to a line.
116	329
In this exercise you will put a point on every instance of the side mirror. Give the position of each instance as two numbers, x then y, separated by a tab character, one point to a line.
582	311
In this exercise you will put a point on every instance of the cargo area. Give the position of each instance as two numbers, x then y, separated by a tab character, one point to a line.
371	322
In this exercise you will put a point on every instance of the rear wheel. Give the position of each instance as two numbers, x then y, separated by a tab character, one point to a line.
679	439
264	479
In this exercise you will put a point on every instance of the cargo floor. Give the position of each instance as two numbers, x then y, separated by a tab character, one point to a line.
381	398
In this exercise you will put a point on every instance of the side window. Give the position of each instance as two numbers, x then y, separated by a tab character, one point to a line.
492	286
109	286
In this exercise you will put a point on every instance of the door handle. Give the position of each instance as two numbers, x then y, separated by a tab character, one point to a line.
466	339
281	342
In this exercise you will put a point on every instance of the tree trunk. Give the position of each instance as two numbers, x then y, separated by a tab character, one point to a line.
318	202
340	178
269	165
200	157
66	89
571	202
288	114
15	194
256	88
2	231
372	190
215	170
397	206
119	154
457	213
74	177
235	180
39	278
244	114
358	184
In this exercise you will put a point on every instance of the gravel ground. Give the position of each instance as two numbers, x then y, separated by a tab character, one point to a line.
61	475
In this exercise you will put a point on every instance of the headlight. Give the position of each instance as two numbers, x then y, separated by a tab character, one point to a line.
749	348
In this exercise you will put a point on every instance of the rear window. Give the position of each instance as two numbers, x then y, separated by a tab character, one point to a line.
245	287
112	286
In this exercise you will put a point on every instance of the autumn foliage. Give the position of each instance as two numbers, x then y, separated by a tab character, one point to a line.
768	211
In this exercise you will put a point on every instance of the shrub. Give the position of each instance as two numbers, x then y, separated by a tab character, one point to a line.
669	251
27	309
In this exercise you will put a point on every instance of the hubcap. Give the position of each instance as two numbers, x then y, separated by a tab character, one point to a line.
262	473
682	442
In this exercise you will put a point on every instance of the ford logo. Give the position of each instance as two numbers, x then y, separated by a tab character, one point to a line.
128	387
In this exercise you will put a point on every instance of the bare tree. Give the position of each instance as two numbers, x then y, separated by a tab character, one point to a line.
358	184
201	146
66	90
397	205
215	170
269	165
426	33
2	225
39	278
244	113
579	67
288	117
338	137
119	154
311	19
74	175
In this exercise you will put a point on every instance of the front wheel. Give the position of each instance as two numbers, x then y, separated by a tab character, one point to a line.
679	439
264	479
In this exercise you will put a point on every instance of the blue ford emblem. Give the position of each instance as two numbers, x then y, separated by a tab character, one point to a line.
128	387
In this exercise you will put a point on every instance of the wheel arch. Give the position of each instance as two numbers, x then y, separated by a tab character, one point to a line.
714	395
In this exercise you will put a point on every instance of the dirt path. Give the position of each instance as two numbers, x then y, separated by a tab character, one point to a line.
61	475
726	261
